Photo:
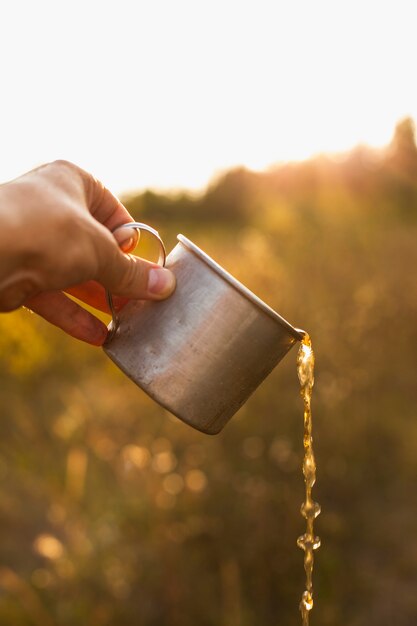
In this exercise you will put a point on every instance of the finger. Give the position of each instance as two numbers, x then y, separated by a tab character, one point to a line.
103	205
127	239
127	275
94	294
56	308
133	277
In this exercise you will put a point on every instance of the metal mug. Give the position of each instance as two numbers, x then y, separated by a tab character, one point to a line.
204	350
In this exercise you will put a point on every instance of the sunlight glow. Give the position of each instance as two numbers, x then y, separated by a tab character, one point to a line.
160	94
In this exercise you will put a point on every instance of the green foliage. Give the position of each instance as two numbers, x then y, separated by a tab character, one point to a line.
112	512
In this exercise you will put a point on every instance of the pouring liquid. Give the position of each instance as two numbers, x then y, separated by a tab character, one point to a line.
309	509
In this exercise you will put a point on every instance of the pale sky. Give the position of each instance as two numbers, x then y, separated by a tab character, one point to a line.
165	93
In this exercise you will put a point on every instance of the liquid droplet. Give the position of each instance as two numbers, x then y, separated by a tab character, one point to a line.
308	542
307	600
310	509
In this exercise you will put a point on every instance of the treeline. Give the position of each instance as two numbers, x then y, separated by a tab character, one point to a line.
379	178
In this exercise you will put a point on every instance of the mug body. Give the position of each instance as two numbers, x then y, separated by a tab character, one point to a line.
204	350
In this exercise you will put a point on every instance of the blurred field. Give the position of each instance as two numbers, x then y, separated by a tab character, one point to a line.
112	512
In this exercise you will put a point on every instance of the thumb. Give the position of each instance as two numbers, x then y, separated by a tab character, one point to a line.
130	276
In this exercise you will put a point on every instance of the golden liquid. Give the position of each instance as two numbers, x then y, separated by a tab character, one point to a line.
309	509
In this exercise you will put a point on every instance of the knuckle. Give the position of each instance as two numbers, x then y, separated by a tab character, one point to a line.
63	163
70	176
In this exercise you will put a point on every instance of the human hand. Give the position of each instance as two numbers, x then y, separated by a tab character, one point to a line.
55	236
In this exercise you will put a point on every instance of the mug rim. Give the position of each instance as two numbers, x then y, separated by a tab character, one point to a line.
240	287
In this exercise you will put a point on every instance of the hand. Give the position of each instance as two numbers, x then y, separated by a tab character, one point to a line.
55	236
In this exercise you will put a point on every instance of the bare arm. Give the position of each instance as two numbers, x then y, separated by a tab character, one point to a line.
55	224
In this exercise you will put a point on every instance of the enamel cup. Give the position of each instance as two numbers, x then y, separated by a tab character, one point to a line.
204	350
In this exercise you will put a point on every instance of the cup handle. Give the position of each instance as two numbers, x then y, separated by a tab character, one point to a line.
114	324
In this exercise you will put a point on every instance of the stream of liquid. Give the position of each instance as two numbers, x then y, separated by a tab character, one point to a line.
309	509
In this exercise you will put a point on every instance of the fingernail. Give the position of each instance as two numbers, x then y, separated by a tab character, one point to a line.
161	281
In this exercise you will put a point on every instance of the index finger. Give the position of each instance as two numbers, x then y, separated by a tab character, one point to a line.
102	204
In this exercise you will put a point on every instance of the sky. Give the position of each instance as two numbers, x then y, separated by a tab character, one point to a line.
168	93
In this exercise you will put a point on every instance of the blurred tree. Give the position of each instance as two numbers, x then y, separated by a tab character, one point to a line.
403	150
153	206
400	171
233	195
